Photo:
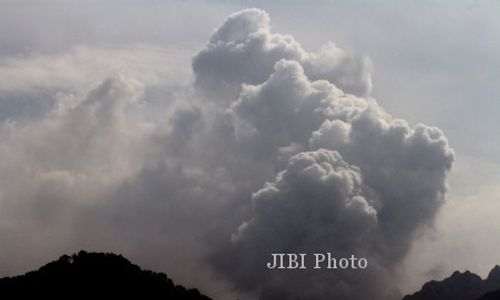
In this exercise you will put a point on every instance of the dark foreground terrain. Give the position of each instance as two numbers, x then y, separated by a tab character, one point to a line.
94	275
461	286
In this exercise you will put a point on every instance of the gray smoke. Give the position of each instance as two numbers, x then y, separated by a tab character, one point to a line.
272	149
350	178
244	50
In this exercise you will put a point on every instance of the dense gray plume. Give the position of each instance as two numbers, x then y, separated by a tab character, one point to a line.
350	178
274	149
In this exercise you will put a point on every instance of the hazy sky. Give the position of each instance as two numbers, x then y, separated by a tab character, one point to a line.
432	62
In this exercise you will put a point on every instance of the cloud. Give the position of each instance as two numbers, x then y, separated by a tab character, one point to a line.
81	66
316	204
273	148
390	186
63	161
31	83
244	50
459	239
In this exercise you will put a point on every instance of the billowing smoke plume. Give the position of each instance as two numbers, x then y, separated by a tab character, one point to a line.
350	178
244	50
273	149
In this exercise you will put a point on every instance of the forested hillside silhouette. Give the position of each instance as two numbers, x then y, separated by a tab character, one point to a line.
94	275
461	286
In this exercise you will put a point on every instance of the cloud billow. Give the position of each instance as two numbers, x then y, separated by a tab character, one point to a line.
244	50
272	149
353	179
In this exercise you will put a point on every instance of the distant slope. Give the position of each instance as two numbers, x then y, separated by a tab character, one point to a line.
459	286
94	275
493	277
495	295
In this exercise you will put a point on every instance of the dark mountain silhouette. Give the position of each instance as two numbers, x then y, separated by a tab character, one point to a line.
495	295
460	286
94	275
494	276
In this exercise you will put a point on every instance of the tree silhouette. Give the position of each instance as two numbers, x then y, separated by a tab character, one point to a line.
94	275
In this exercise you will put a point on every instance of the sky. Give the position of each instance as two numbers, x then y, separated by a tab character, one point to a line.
114	124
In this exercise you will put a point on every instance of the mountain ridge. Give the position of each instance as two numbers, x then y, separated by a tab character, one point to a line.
461	286
94	274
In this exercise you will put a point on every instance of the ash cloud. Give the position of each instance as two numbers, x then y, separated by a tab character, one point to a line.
272	149
350	177
244	50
